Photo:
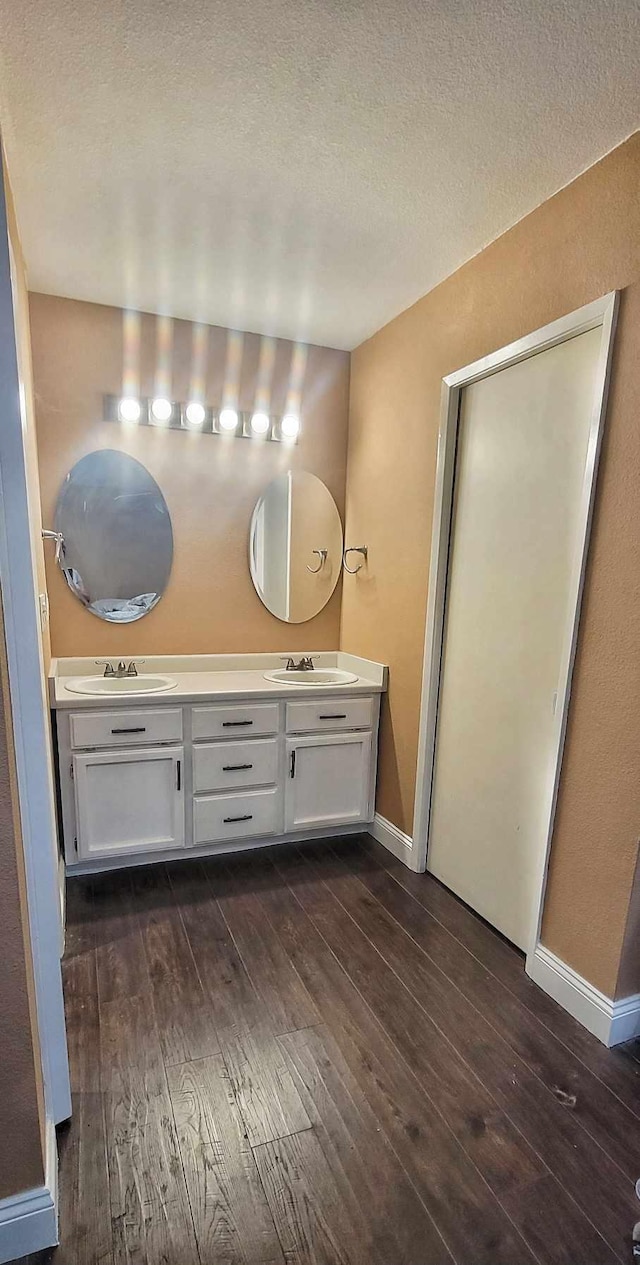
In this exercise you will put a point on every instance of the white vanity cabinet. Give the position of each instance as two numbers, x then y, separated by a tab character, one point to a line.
150	779
329	780
128	801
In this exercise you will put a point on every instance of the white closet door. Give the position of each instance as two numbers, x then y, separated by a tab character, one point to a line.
520	463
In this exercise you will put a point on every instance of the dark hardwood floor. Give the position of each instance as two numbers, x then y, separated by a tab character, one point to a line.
314	1055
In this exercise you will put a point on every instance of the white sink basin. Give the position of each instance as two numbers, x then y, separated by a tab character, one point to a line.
120	685
312	676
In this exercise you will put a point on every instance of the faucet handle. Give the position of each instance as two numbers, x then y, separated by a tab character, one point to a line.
109	669
308	663
288	661
132	670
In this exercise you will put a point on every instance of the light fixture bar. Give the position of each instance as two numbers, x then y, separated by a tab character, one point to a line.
199	418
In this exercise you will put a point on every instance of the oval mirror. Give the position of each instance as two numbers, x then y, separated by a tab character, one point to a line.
295	546
117	542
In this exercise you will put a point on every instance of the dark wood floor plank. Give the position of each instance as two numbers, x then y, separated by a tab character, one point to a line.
451	1186
601	1113
286	999
150	1210
554	1227
260	1075
317	1218
122	964
181	1005
80	985
542	1120
232	1219
399	1227
464	1101
86	1233
613	1067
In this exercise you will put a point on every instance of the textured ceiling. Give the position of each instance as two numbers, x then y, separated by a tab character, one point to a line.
297	167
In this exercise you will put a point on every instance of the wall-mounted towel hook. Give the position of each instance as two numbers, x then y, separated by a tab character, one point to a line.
354	549
322	554
59	539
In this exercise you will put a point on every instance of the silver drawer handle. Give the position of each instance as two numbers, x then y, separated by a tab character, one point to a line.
246	817
235	768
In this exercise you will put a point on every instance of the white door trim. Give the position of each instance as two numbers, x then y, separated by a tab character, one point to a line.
29	709
602	312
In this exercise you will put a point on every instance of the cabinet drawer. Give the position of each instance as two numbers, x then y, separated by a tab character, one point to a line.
329	713
235	720
222	766
217	817
126	728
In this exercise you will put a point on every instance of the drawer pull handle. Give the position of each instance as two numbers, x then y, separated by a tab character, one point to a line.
232	724
332	716
245	817
135	729
178	775
235	768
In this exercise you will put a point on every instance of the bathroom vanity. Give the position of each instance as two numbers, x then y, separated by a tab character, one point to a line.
221	756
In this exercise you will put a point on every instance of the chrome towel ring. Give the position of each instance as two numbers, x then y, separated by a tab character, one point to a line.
354	549
322	554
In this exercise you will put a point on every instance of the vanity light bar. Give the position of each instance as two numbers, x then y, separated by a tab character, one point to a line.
199	418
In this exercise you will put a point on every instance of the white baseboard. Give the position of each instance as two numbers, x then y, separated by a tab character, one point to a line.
610	1021
29	1221
393	839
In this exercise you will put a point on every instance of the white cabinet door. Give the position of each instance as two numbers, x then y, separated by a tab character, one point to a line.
129	801
328	780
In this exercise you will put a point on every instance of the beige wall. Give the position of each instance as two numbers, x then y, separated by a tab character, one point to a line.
210	485
577	246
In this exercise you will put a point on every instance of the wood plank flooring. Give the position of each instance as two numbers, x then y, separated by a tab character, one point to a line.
311	1056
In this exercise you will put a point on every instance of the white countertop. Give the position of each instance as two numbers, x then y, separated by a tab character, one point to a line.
214	677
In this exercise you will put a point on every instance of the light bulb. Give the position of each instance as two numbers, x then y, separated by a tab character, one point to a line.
228	419
195	413
290	425
129	409
161	409
259	423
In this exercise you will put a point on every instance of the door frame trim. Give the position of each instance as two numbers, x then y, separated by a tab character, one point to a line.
29	711
600	313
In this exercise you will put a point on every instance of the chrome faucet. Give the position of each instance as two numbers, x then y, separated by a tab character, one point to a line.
305	665
121	670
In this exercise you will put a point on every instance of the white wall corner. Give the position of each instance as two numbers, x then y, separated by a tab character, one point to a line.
29	1220
393	839
612	1022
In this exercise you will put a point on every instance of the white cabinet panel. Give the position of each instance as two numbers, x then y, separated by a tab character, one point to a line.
223	766
129	801
251	813
329	713
235	720
328	782
122	728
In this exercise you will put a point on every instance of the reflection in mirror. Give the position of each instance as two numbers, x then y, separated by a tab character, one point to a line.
295	547
117	540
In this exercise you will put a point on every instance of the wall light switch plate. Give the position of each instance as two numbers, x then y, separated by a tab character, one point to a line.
43	602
